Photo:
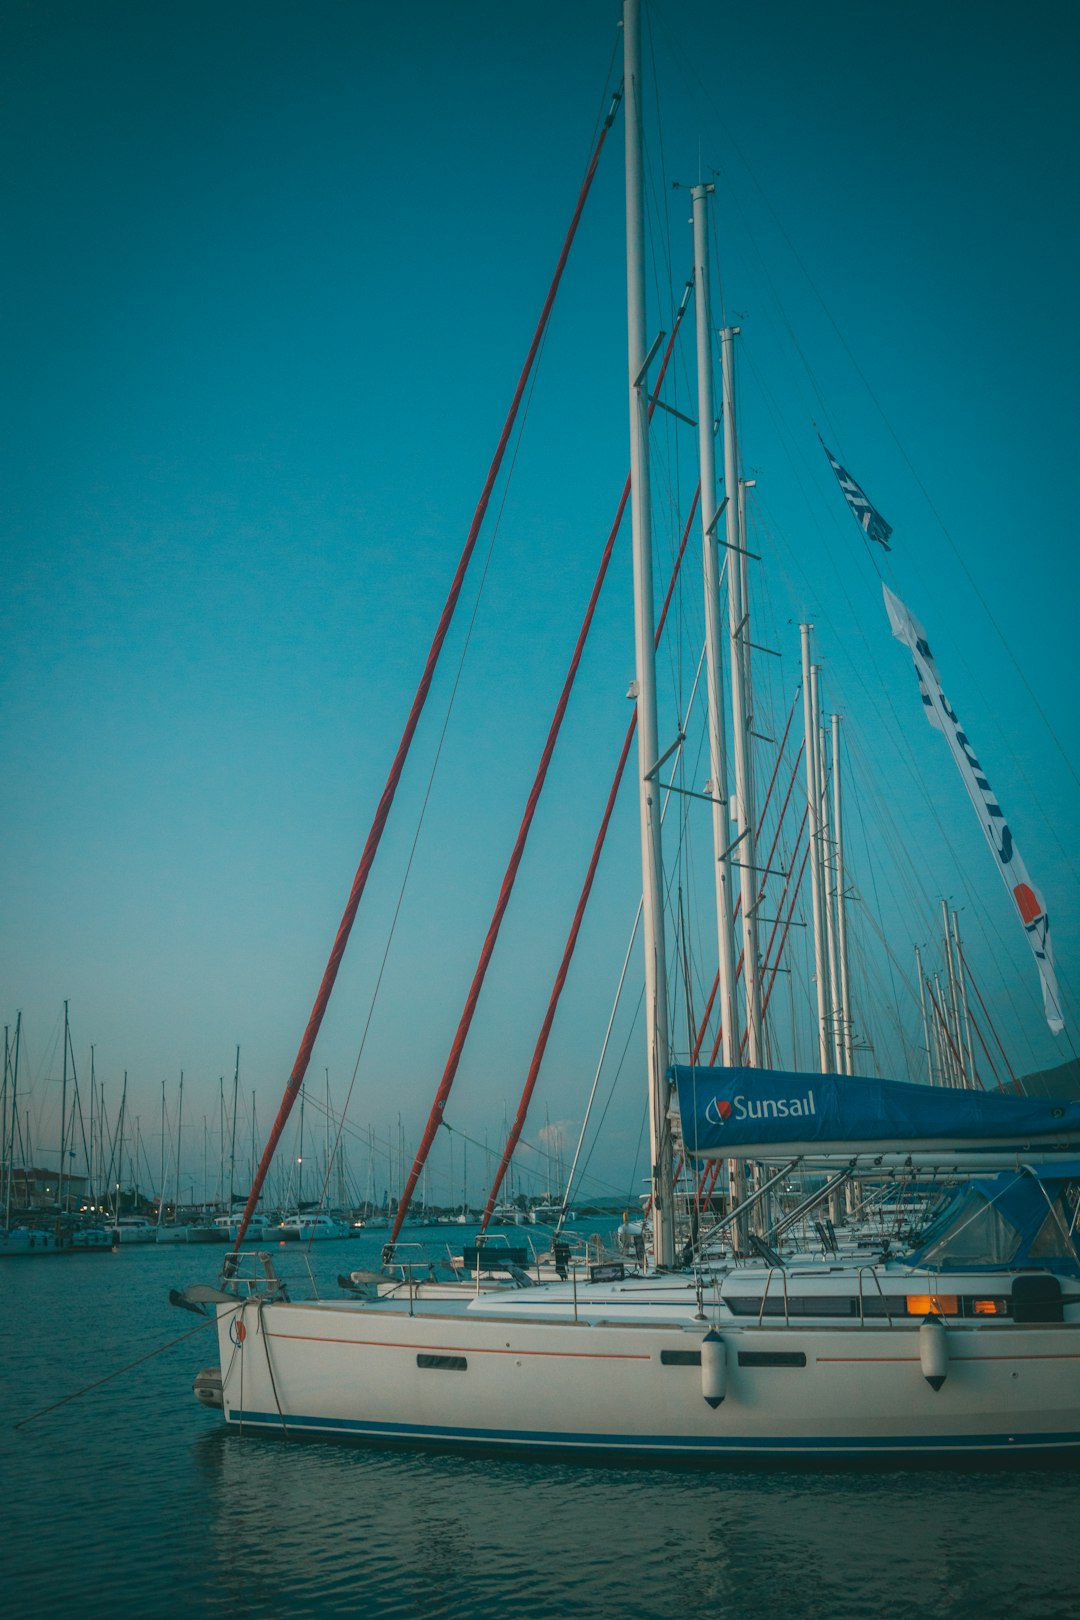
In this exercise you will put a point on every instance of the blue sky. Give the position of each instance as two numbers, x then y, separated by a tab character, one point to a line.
272	270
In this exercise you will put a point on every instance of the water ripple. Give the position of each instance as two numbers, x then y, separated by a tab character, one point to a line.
137	1500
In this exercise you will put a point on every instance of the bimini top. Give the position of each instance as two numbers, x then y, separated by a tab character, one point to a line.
763	1113
1023	1217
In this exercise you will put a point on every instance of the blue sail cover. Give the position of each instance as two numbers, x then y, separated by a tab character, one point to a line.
760	1113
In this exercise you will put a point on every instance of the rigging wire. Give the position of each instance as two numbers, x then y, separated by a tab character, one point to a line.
389	792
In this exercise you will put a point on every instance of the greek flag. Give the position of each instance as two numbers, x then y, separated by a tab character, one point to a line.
866	516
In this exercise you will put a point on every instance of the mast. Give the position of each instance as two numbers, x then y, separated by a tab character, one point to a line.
846	1032
718	771
954	1005
946	1066
161	1185
742	562
14	1118
120	1148
744	787
96	1155
179	1127
826	890
232	1134
326	1148
961	979
300	1159
925	1025
813	801
63	1116
161	1182
657	1055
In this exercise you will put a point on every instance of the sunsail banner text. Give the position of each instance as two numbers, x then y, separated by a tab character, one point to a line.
763	1113
1028	900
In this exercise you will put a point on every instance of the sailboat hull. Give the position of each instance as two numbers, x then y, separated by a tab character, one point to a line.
458	1379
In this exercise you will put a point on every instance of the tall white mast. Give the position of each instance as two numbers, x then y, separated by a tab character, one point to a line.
644	633
954	1004
846	1032
744	791
741	560
63	1117
925	1025
826	885
946	1066
961	979
813	806
718	772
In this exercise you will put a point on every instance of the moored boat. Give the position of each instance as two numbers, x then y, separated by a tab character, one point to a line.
127	1229
969	1345
308	1228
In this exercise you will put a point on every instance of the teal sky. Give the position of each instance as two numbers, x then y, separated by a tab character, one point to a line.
271	270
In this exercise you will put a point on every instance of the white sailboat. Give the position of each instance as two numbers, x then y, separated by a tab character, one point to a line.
969	1345
303	1227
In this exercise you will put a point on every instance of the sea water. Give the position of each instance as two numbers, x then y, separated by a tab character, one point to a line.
133	1500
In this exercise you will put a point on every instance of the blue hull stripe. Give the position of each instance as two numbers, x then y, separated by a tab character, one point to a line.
666	1444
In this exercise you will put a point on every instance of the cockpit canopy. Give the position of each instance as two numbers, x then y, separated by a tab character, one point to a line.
1026	1217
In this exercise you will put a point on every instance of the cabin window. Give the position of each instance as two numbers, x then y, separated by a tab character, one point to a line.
872	1306
680	1358
933	1305
443	1363
794	1305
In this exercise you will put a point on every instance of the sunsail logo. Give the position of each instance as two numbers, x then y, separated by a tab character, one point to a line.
723	1109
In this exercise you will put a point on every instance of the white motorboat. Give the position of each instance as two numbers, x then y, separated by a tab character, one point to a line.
305	1228
132	1229
229	1225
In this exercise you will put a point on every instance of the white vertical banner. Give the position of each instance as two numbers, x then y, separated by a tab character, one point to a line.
1028	900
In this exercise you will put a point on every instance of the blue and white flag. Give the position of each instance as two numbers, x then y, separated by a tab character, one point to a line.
939	712
866	516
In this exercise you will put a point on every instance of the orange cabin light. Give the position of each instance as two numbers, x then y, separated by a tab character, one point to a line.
932	1304
988	1307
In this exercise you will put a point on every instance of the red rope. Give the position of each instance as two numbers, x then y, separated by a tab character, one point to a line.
945	1030
303	1057
989	1020
586	888
509	878
986	1053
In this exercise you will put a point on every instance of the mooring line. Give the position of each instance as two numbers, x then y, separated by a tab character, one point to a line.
210	1320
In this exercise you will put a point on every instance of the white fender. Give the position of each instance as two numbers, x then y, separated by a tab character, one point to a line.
713	1368
934	1351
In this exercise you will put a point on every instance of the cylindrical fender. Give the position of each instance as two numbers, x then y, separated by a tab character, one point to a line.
713	1368
934	1351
